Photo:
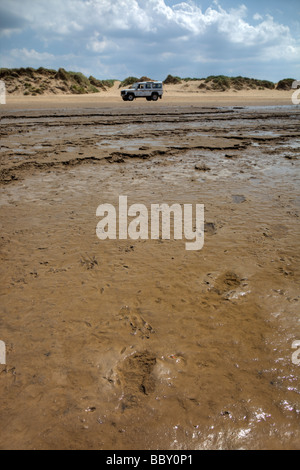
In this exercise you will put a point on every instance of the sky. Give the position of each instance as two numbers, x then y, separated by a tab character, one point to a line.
120	38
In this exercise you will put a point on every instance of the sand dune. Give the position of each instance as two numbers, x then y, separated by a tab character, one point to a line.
43	87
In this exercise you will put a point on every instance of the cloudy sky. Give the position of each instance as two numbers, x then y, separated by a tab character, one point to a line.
119	38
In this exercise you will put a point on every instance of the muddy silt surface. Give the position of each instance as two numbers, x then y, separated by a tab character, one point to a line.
141	344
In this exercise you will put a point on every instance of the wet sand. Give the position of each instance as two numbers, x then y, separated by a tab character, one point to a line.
140	344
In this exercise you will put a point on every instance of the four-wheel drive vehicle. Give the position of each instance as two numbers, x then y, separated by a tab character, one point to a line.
149	90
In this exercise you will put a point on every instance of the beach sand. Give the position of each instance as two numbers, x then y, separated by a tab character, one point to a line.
141	344
187	93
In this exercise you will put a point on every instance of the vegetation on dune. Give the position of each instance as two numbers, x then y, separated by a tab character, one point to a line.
15	73
218	83
189	79
95	82
170	80
128	81
38	81
145	79
108	83
223	83
30	81
285	84
131	80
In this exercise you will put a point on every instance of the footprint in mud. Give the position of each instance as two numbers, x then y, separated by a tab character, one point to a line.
135	376
136	322
202	167
89	262
229	285
229	279
238	198
286	271
210	228
169	367
227	282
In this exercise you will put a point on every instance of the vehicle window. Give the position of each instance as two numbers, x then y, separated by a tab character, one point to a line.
157	85
148	85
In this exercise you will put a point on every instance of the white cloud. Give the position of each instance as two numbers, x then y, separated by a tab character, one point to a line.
73	16
130	34
7	32
24	54
281	52
102	45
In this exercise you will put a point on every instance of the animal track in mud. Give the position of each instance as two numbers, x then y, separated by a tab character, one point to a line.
136	322
286	271
228	279
135	375
88	262
225	283
210	228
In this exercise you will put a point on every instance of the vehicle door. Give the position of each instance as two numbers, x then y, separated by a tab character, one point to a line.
148	89
140	91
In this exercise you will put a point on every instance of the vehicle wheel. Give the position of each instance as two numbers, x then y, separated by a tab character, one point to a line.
154	97
148	98
130	97
125	98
